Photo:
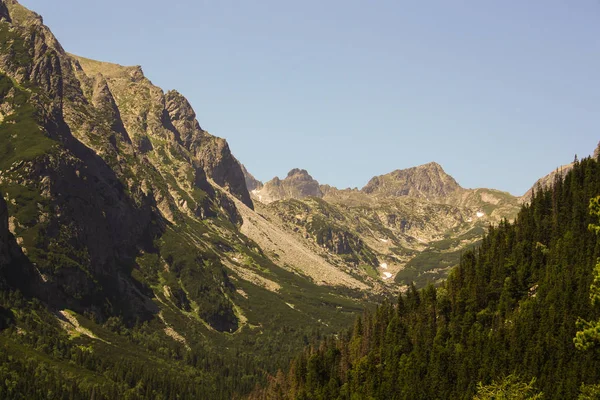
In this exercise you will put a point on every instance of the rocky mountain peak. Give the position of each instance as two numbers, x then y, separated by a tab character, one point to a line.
298	184
428	181
299	173
19	14
431	165
183	118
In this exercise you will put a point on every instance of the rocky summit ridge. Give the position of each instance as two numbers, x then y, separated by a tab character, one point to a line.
298	184
428	181
408	225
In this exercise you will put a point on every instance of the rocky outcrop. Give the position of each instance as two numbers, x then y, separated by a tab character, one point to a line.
340	241
427	181
301	184
211	152
104	102
298	184
431	183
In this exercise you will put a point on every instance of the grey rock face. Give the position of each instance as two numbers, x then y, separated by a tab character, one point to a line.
428	181
301	184
298	184
121	161
211	152
104	101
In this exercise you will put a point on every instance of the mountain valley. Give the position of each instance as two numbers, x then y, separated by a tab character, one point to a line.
140	259
407	226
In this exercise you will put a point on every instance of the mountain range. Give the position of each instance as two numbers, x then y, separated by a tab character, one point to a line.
408	225
136	247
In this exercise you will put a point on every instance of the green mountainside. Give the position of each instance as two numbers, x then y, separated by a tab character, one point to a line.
504	322
124	269
140	260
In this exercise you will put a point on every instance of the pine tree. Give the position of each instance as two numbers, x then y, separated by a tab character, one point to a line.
588	335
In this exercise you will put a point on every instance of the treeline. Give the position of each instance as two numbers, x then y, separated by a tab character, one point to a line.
509	309
40	360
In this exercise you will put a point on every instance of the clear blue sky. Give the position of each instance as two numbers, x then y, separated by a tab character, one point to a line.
498	92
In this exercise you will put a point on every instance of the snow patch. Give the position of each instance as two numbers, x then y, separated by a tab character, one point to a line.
384	240
256	192
383	265
480	214
387	275
470	220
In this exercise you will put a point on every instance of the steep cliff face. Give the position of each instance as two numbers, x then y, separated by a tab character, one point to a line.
162	122
211	152
71	214
298	184
101	168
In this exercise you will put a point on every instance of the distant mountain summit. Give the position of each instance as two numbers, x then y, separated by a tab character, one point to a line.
298	184
428	181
